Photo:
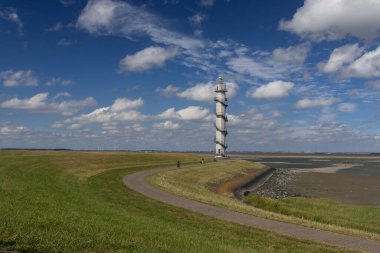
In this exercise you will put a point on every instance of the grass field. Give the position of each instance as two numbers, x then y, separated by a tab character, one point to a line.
76	202
197	183
366	218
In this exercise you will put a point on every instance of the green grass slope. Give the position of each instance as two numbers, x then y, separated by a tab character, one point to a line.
197	183
366	218
76	202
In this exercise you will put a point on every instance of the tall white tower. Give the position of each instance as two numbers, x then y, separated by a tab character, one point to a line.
221	118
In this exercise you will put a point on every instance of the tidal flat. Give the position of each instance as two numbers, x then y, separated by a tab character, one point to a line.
345	178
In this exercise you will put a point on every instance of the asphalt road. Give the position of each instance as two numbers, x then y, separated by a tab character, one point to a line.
137	182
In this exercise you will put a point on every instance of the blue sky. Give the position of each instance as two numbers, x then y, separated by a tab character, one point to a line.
113	74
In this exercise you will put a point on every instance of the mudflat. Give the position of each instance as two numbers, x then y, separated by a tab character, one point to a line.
359	189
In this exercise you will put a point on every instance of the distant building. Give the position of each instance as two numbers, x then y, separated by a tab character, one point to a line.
220	118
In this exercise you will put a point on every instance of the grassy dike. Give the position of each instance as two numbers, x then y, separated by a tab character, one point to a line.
76	202
198	184
365	218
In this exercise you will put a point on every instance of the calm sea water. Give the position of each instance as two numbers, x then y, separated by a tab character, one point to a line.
365	166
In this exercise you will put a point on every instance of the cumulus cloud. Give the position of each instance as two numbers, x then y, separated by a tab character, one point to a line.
114	17
292	54
197	19
247	65
65	43
205	91
167	91
324	133
147	58
339	57
120	111
347	107
207	3
12	78
11	15
41	103
123	104
366	66
272	90
9	129
120	18
188	113
167	125
335	19
55	28
67	3
58	81
374	85
317	102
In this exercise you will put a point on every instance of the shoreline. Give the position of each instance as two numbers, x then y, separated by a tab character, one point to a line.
353	189
331	169
245	189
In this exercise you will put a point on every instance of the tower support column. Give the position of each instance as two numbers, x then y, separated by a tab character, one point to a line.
220	118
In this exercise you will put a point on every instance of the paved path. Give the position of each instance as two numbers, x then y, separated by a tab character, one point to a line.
136	181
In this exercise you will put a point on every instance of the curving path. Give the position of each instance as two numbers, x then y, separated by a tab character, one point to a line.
137	182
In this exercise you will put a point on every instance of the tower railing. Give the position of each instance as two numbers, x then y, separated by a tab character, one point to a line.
216	99
223	131
221	116
220	143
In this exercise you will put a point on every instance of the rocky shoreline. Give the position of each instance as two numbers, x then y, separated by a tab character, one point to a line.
276	186
356	189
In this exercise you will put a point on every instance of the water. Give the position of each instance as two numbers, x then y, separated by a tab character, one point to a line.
359	184
365	165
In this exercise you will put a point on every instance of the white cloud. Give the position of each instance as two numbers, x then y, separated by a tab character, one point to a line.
40	103
74	126
58	81
147	58
347	107
10	14
65	43
339	57
120	111
247	65
250	122
12	78
167	91
123	104
207	3
335	19
67	3
55	28
197	19
188	113
36	102
9	129
57	125
318	102
374	85
198	32
366	66
205	91
292	54
275	89
113	17
167	125
61	94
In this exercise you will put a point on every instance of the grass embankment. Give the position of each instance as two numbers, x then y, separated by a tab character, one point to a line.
56	202
326	211
197	183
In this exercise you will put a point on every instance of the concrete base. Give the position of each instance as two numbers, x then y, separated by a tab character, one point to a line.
220	156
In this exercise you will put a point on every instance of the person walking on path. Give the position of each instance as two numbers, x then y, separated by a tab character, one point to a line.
178	164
